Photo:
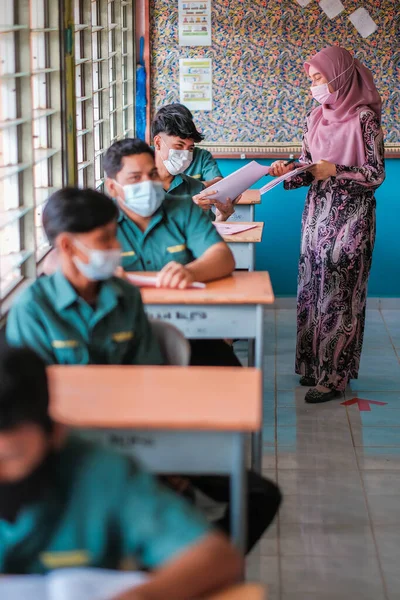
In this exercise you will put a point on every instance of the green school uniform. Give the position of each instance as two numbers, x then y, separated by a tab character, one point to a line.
203	166
179	231
52	319
100	510
182	185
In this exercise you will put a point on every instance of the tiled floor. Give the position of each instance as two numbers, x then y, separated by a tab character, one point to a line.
338	532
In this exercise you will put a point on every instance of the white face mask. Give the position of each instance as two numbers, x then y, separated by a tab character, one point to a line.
178	160
144	198
322	94
102	263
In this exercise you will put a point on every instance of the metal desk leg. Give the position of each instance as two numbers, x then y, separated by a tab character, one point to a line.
256	439
238	484
251	213
252	253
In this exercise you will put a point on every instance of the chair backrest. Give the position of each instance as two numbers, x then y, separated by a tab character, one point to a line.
174	345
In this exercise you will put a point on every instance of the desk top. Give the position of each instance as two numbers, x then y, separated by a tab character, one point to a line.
253	235
247	591
250	197
180	398
242	287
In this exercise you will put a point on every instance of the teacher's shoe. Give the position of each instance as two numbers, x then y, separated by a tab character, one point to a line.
315	397
307	381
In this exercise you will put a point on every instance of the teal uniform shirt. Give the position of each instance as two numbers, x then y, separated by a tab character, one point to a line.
182	185
100	510
179	231
52	319
203	166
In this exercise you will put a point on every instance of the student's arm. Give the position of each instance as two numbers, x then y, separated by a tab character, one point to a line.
169	537
203	568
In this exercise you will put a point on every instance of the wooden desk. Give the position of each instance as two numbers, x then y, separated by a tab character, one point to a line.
242	245
244	209
248	591
173	419
232	307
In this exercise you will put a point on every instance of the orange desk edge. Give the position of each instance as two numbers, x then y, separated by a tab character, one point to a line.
242	287
137	397
252	235
250	197
247	591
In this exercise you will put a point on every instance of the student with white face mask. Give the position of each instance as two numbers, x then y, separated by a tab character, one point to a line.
182	166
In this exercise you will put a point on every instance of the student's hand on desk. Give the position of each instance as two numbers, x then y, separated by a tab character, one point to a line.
224	211
323	170
279	168
175	276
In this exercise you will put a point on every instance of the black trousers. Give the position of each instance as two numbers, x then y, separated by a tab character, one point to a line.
263	501
213	353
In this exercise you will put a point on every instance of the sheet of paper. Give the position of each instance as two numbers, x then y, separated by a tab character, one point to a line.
303	3
150	281
194	23
232	228
332	8
269	186
24	587
238	182
91	584
363	22
196	83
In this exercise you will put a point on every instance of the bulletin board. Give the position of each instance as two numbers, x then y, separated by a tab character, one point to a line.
260	90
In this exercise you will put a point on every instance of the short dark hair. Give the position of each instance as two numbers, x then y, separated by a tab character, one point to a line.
177	120
112	161
24	396
74	210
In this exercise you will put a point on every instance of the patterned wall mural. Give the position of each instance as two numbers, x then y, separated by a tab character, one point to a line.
260	91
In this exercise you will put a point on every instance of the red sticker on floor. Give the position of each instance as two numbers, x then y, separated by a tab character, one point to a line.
363	405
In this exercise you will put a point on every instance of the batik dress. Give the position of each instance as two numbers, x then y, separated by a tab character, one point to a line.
338	235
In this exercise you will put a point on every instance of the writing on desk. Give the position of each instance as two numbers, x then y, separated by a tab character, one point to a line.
194	315
127	440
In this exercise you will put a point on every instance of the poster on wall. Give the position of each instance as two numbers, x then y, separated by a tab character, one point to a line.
196	83
194	23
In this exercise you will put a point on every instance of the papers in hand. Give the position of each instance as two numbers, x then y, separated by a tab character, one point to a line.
238	182
232	228
151	281
70	584
285	177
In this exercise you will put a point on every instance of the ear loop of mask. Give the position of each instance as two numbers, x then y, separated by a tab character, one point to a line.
345	71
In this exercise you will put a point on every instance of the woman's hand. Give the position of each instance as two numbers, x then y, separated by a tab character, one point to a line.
279	168
323	170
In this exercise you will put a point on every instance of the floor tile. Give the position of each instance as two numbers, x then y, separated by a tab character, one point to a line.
268	545
377	483
299	539
264	569
322	458
376	436
325	415
328	510
378	458
335	575
384	509
319	484
388	542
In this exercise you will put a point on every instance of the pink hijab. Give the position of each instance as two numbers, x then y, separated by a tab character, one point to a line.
334	130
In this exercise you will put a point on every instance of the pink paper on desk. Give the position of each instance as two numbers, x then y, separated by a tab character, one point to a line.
144	281
282	178
238	182
232	228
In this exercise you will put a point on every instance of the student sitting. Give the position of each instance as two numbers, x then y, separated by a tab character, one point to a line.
177	157
66	501
82	314
171	235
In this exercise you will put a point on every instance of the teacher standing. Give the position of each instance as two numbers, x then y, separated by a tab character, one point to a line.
343	136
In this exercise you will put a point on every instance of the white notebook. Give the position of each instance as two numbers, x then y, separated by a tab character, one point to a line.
70	584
